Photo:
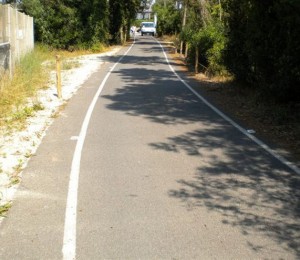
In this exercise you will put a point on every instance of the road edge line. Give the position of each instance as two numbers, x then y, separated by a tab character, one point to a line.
260	143
69	239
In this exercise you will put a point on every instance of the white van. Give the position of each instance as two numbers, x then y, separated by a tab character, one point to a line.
148	28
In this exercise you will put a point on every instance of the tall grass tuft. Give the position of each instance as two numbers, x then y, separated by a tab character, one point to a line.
29	76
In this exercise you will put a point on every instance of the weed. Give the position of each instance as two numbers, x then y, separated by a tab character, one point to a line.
54	114
21	115
14	180
68	65
18	168
38	106
28	154
38	134
98	47
4	209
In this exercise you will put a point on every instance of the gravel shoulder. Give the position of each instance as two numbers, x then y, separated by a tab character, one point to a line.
17	147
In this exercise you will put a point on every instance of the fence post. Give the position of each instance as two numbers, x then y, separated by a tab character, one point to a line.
58	76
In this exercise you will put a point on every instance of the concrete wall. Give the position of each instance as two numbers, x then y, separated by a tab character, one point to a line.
16	29
4	57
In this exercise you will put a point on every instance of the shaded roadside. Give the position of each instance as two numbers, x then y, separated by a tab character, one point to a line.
235	179
277	125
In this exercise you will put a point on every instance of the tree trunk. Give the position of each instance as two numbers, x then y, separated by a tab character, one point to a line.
121	35
203	9
220	5
186	50
183	25
125	33
196	60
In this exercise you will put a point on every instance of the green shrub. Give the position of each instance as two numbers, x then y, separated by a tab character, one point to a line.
210	41
98	47
263	48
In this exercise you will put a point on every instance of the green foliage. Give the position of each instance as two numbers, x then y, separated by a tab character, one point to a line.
186	34
208	36
168	17
67	24
122	14
214	53
257	40
95	21
117	15
97	47
35	9
64	23
263	47
4	209
28	78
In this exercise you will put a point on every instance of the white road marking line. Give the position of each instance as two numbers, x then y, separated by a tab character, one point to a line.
69	240
229	120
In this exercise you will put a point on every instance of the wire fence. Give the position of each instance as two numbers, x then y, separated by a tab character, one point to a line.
16	36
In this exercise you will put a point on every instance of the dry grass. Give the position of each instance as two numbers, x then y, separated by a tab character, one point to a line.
31	75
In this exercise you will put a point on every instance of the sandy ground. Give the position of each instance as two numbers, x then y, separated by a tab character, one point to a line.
17	147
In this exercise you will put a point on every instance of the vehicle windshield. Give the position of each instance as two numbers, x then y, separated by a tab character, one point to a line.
148	24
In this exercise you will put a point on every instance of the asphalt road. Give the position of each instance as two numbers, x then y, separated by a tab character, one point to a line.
155	174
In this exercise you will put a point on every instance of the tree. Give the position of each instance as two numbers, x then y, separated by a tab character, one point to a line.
12	2
145	6
122	14
94	16
168	17
263	46
67	23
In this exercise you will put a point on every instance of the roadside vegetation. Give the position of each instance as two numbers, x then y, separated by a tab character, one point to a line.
81	24
255	41
4	209
254	45
31	74
68	29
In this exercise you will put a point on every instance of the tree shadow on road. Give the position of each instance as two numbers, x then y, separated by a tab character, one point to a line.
159	99
237	179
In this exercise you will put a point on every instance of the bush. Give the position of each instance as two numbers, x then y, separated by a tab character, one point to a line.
263	48
67	24
98	47
210	41
168	19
